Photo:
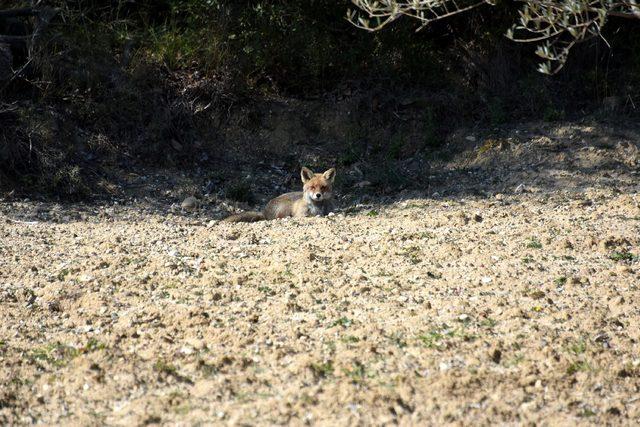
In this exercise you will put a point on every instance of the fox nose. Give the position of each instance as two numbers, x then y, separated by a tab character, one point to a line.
318	195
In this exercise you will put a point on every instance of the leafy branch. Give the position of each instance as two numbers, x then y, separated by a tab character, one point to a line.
555	25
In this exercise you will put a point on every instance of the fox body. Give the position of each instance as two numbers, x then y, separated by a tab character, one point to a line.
316	198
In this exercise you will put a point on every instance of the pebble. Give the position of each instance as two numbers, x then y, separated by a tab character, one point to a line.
187	350
520	189
363	184
189	204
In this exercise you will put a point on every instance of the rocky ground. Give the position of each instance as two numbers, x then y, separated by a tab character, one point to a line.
506	290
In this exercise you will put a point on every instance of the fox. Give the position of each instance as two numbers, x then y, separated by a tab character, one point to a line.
316	198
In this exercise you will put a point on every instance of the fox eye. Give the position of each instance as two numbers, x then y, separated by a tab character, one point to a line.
323	188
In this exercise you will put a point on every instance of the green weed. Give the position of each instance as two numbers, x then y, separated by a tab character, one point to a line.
534	243
343	321
578	366
322	370
619	256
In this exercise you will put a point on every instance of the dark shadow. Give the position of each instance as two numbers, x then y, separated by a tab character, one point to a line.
527	160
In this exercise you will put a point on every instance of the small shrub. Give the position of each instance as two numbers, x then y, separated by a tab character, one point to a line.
534	243
578	366
322	370
343	321
620	256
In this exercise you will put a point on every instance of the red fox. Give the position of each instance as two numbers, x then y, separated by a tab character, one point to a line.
316	198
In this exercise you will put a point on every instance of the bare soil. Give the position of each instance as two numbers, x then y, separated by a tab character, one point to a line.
505	291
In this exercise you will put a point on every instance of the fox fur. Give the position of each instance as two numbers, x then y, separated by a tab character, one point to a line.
316	198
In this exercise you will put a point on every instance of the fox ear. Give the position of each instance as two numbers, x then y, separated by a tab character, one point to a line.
306	174
330	175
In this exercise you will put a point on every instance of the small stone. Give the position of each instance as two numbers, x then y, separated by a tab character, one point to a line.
578	281
463	219
362	184
624	269
520	189
234	235
54	306
504	145
190	203
173	253
187	350
196	343
537	294
613	242
566	244
85	278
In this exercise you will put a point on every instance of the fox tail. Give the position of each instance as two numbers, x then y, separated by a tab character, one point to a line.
245	217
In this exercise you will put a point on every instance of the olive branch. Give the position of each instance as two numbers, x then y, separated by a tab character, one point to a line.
555	25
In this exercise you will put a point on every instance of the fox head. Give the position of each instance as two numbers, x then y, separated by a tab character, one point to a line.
318	186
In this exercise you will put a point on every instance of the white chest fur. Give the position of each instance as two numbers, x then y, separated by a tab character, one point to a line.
315	209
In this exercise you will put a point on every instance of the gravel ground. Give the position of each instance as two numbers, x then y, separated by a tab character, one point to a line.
505	293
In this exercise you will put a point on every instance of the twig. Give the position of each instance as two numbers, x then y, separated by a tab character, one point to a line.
15	75
630	15
17	221
44	17
7	108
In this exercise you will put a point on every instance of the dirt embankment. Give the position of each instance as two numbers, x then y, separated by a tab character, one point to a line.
506	291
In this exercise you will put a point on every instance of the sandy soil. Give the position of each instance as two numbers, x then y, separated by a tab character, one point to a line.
505	292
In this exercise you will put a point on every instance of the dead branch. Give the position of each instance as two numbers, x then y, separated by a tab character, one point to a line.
43	18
